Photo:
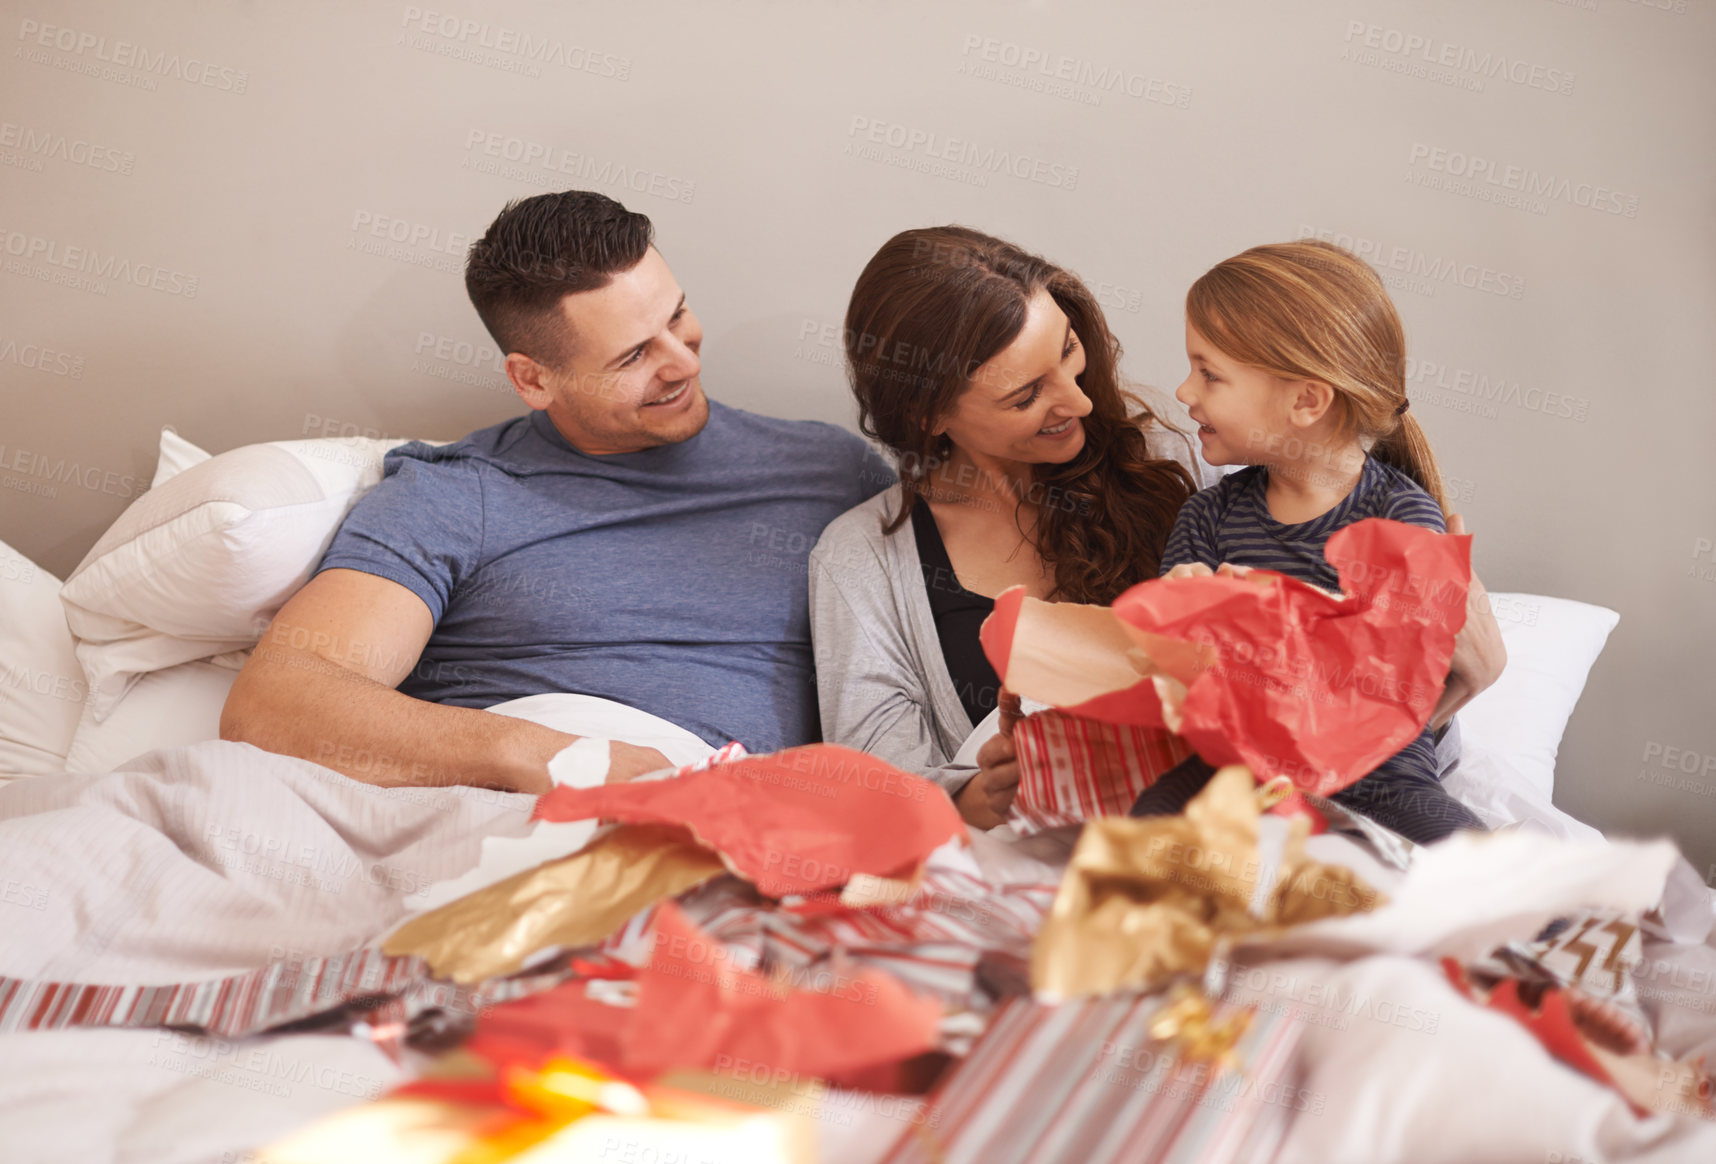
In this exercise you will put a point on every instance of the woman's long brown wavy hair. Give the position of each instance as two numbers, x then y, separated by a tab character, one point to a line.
932	307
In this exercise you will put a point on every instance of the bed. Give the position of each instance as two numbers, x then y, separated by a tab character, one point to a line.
135	847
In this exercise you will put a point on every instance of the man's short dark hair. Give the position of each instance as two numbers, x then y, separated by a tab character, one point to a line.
542	249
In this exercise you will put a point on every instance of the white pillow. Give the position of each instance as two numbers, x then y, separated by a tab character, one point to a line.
590	715
164	709
1490	784
1513	728
181	705
41	685
177	454
196	568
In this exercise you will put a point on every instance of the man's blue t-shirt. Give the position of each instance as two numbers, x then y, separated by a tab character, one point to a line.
672	580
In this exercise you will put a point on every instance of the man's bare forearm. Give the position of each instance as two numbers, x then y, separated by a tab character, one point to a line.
299	704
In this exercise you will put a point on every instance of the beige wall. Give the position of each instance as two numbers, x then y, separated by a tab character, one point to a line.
237	158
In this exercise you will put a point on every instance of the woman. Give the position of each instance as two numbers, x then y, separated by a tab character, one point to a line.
992	376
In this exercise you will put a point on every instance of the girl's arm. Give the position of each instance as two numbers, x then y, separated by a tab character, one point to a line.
1479	655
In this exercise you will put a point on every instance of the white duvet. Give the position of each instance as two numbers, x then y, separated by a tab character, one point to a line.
218	857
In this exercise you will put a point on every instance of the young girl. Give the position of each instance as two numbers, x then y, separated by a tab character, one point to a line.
1297	360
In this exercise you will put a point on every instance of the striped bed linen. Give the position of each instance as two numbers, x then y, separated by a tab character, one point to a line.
278	995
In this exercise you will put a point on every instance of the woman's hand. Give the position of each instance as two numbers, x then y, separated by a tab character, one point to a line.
1479	655
1189	570
987	797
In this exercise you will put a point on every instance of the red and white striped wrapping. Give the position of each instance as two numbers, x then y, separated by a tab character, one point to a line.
949	906
259	1000
1072	769
932	941
1083	1080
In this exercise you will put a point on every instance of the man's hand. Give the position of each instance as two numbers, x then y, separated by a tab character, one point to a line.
1189	570
1479	654
987	797
628	761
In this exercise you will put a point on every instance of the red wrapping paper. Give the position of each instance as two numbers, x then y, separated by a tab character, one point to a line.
789	822
1317	687
1550	1022
1264	670
695	1009
564	1021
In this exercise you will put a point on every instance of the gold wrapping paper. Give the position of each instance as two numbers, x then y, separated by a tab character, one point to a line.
1189	1024
575	901
1145	900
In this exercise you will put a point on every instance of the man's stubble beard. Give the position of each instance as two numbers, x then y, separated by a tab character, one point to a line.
684	426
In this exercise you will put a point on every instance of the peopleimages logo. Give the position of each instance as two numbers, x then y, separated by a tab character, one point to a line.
1060	75
1420	266
415	234
1705	570
53	261
969	157
546	165
1432	53
404	241
125	55
45	143
45	468
472	36
42	359
443	357
1486	179
1435	379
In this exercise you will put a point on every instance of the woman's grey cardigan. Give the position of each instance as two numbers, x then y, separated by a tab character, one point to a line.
881	680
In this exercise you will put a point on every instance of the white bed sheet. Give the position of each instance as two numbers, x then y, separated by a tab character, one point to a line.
165	872
193	863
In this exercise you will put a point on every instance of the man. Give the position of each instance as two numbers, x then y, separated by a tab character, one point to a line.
628	538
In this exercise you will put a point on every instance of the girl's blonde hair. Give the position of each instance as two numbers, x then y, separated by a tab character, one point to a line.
1310	310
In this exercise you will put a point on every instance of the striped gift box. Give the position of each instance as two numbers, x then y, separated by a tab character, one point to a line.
1072	769
1084	1081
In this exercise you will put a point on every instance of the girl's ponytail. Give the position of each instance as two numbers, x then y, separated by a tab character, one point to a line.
1408	449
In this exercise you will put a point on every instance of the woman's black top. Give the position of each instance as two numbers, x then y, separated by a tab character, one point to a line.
958	615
